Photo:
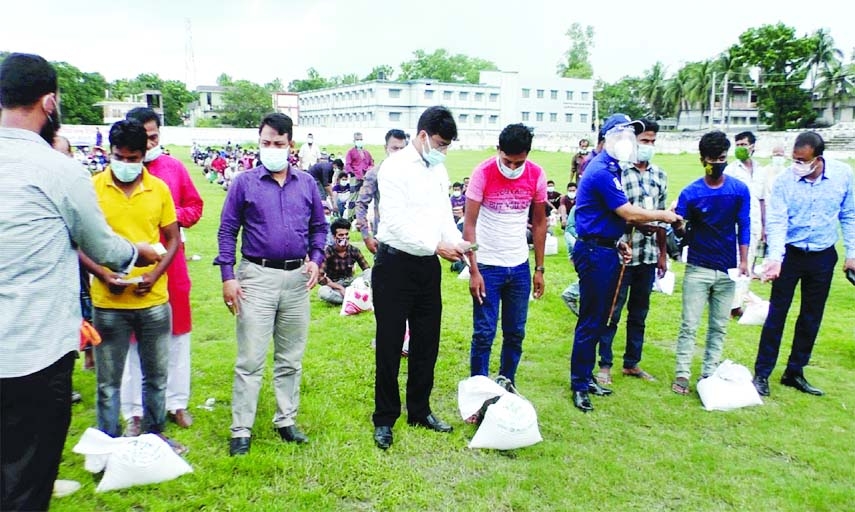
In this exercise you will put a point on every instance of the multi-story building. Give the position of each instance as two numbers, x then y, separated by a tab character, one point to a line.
550	104
115	109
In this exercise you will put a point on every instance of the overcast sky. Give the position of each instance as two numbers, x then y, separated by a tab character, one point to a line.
260	40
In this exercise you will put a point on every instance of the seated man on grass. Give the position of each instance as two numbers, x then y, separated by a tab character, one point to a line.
337	268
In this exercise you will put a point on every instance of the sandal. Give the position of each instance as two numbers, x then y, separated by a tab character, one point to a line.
639	374
680	386
604	377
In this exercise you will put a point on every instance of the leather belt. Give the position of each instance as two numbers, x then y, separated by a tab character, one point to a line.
277	264
388	249
602	242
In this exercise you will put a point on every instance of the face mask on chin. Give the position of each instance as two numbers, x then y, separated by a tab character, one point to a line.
152	153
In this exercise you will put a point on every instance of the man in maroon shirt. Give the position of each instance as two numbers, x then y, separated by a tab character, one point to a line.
357	162
280	214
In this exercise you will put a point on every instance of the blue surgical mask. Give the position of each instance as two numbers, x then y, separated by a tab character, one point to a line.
645	152
509	173
274	159
432	156
126	172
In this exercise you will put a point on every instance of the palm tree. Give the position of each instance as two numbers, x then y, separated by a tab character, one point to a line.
732	75
653	89
675	96
698	87
835	86
824	56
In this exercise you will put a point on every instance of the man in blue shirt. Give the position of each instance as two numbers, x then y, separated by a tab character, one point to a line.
602	211
714	207
807	203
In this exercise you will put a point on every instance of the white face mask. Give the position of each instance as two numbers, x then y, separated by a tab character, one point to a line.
571	195
152	153
778	161
509	173
310	140
456	193
802	169
358	144
275	159
550	189
645	152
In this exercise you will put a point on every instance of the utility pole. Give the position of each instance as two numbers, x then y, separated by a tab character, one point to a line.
712	99
724	103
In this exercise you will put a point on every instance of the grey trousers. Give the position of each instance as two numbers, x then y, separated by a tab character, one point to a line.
275	303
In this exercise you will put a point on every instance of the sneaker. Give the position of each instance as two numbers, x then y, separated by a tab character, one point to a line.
507	384
133	427
62	488
177	447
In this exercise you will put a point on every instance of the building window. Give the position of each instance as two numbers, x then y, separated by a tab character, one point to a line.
540	94
428	94
479	96
464	96
463	118
494	97
553	117
446	95
526	93
585	95
553	94
394	116
494	119
525	116
478	118
583	118
539	116
568	118
395	93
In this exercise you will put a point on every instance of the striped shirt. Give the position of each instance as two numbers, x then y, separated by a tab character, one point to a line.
48	206
806	215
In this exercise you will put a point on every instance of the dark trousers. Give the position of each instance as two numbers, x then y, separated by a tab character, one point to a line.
597	268
636	285
405	287
35	415
814	270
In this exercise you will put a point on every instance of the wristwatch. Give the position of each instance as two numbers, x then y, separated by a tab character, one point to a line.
540	268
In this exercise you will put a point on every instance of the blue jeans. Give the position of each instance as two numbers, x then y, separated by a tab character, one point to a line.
815	271
597	268
702	286
636	285
152	328
512	287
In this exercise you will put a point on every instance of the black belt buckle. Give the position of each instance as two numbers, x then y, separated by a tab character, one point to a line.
602	242
276	264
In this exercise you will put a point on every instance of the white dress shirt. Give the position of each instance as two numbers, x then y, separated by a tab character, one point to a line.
756	181
415	214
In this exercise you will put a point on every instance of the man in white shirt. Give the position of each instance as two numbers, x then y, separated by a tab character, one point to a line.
417	227
309	153
750	172
501	192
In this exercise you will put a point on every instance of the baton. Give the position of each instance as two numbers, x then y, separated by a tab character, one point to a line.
620	277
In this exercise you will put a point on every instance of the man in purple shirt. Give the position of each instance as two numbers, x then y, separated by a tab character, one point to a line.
280	213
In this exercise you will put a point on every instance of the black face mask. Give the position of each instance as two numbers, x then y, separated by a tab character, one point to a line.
715	170
49	129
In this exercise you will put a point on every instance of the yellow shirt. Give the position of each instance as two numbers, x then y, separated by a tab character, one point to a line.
137	218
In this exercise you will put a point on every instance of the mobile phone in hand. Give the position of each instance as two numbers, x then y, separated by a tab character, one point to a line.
850	275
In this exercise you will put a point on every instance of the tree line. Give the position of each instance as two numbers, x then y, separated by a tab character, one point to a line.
785	70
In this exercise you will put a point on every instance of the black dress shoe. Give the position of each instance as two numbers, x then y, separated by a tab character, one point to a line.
799	382
433	423
383	437
292	434
239	446
761	384
582	401
595	389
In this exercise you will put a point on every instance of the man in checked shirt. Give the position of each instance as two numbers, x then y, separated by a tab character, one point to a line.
645	185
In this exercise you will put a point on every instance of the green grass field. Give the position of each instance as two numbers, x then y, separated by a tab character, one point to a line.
643	448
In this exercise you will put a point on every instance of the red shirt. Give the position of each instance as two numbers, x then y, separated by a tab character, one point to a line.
188	209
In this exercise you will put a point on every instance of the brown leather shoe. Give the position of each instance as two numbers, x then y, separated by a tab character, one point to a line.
181	418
